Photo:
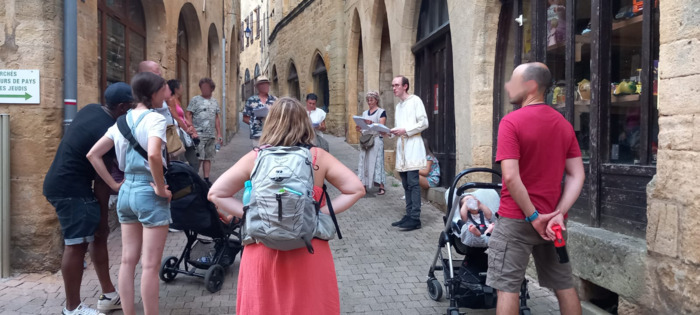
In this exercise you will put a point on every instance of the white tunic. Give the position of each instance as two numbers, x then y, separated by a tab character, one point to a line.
410	151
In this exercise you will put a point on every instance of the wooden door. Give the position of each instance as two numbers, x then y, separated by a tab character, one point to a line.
434	85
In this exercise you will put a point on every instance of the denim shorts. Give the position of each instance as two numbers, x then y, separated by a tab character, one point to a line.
79	218
138	203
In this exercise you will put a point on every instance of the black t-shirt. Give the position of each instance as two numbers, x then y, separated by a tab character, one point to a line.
71	174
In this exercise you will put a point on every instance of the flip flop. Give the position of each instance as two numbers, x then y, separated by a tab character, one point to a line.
381	191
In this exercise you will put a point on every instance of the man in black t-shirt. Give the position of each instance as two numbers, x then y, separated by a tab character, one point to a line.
82	212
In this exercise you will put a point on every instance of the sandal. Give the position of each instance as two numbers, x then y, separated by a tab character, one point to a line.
381	191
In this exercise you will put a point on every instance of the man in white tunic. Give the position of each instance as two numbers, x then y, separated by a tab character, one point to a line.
410	120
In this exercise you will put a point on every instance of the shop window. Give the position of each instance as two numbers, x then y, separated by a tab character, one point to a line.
603	56
122	40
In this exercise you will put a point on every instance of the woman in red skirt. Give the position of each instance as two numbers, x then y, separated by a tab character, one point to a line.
288	282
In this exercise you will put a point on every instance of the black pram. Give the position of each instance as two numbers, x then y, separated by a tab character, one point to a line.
193	213
465	280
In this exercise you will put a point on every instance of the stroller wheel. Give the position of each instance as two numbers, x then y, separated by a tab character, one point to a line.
214	278
434	289
525	311
168	269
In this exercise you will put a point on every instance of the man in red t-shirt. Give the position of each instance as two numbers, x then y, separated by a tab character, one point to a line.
536	145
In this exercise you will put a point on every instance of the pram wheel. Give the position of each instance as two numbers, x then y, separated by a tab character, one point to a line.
525	311
168	269
214	278
434	289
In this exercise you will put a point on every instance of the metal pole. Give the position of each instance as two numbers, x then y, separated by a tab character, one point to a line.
223	86
4	195
70	61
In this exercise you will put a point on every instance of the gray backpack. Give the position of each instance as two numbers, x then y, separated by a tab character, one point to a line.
282	213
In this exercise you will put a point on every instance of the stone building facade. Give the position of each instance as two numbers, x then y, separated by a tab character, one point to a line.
633	237
253	48
185	37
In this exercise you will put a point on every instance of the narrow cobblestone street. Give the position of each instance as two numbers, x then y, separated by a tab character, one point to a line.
380	270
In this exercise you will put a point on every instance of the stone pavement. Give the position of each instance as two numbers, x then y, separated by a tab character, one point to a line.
380	270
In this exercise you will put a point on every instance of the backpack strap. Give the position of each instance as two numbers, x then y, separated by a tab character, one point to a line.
330	210
129	136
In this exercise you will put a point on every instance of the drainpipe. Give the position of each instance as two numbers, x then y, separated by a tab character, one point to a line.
223	86
4	196
223	71
70	62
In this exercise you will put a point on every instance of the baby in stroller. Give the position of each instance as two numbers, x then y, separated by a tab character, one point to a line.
473	222
475	219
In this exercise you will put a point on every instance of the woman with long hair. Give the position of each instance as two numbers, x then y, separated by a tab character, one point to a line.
370	167
179	115
295	281
143	206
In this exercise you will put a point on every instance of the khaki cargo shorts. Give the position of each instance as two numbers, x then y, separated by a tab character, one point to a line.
206	149
510	246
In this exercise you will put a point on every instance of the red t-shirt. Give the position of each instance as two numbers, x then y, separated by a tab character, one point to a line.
541	139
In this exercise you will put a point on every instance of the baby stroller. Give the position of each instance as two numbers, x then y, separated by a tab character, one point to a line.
465	281
193	213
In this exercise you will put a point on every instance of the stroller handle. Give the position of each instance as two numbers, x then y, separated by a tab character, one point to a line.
469	185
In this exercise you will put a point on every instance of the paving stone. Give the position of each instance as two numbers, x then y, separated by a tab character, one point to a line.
379	269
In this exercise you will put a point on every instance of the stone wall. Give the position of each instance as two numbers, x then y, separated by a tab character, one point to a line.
321	24
31	38
673	233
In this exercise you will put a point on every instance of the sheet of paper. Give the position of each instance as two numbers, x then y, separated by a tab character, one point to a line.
379	128
360	122
261	112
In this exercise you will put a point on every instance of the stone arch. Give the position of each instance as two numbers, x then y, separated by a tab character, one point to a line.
293	89
404	58
256	72
381	43
247	78
355	76
318	72
154	14
190	32
232	88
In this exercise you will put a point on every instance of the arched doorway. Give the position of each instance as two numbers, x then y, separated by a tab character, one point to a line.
434	83
188	37
122	40
293	82
275	81
183	58
248	88
321	87
213	59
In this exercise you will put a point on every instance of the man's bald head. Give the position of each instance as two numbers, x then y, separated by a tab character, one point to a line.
149	66
538	72
528	83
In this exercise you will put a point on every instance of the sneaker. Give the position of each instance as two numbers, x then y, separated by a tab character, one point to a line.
82	309
403	197
399	222
171	230
105	304
410	225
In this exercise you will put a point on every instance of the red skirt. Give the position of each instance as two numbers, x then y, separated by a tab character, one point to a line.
287	282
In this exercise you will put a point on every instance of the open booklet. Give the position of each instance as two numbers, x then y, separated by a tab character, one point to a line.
261	112
360	121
